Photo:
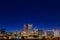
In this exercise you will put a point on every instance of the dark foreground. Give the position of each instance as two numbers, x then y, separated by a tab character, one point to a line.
57	38
29	39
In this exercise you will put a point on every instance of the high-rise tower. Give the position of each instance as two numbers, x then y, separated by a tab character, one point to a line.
24	28
24	31
29	29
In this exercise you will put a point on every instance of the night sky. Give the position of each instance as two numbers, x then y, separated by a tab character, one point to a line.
44	14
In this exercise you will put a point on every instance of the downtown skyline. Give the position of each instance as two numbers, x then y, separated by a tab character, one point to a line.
21	29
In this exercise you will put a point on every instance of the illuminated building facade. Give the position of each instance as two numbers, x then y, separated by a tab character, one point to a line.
29	29
56	32
45	33
36	32
24	33
16	34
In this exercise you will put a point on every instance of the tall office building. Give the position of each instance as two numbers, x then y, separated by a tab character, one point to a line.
29	29
24	33
56	32
24	28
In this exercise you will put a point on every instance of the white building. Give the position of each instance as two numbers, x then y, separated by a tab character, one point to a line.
56	33
30	29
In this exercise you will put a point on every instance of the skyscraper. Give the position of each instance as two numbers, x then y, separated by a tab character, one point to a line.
29	29
24	28
24	33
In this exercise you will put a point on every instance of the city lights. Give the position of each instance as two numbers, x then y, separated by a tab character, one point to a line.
30	33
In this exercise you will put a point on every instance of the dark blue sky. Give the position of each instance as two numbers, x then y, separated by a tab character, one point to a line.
44	14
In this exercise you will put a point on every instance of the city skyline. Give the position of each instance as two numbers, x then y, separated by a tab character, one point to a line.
27	27
29	33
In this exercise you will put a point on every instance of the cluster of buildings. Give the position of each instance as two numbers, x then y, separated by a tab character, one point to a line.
29	33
